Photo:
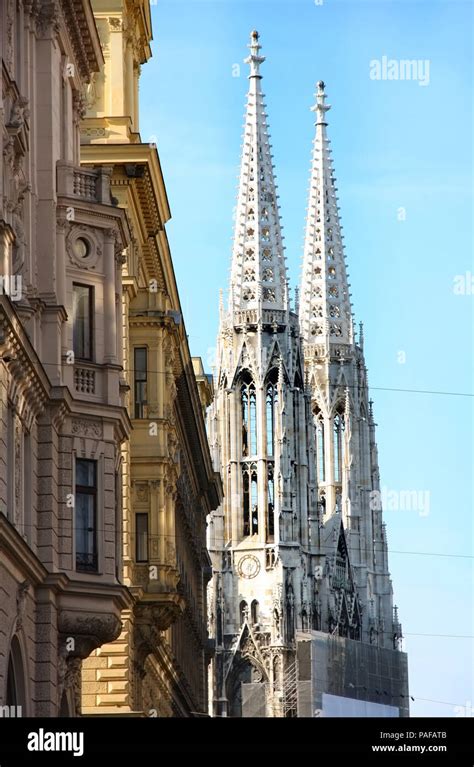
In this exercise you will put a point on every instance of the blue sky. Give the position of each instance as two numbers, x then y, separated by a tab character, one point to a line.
396	144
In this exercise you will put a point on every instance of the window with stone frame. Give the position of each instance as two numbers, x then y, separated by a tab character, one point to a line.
248	401
86	516
338	436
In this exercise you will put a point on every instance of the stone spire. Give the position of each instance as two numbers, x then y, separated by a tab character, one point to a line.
325	308
258	273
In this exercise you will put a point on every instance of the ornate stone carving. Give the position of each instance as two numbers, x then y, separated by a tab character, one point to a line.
79	105
22	593
10	11
170	553
160	614
141	492
90	91
83	428
87	255
48	18
89	630
18	114
115	24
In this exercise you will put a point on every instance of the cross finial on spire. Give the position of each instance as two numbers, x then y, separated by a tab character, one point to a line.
321	107
254	59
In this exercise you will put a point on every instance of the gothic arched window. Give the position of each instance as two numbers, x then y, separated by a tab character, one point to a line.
254	611
271	406
243	611
271	505
250	499
320	449
338	431
248	398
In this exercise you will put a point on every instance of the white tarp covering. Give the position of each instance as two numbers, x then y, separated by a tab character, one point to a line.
334	705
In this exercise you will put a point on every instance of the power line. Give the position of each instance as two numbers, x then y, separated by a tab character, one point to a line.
330	548
444	636
346	386
431	554
421	391
442	702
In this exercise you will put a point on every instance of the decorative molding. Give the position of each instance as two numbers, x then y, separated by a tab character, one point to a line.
48	18
141	491
115	24
83	428
86	233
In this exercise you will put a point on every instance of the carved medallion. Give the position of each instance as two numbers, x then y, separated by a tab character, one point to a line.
248	566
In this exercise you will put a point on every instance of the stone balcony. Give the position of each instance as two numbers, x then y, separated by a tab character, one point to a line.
86	184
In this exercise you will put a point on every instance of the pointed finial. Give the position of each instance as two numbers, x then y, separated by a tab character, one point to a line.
347	402
281	372
361	335
254	59
320	107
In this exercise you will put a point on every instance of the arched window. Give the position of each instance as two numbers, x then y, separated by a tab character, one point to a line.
246	497
271	504
254	501
320	449
249	416
250	498
244	611
16	693
271	405
64	708
254	611
338	431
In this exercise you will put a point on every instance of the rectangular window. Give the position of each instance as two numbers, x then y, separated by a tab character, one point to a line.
86	516
83	308
140	389
141	532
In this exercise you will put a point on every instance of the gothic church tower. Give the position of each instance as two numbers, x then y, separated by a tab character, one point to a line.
261	436
298	547
346	452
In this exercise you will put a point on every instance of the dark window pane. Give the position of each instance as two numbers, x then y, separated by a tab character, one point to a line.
141	527
85	473
140	388
82	321
86	516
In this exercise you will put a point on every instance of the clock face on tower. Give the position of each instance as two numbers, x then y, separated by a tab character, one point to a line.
248	566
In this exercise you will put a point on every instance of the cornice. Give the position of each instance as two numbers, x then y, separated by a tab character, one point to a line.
141	154
19	552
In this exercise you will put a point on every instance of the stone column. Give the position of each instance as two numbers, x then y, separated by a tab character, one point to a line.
110	317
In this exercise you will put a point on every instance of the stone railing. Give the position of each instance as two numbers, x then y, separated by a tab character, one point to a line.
84	380
88	184
84	184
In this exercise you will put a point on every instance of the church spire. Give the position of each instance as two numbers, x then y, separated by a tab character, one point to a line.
325	309
258	273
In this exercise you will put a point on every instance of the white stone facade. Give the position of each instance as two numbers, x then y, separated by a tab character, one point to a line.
295	545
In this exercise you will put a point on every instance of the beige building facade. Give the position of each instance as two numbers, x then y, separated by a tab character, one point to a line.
63	416
158	666
105	472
